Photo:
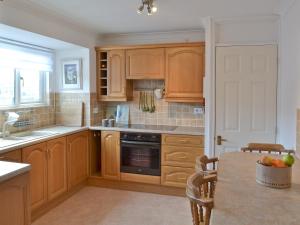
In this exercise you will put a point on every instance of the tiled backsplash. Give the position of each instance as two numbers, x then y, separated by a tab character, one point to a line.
31	118
67	108
175	114
64	105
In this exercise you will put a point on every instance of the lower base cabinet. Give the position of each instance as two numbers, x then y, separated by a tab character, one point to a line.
110	155
78	146
36	156
15	201
178	158
56	166
13	156
175	176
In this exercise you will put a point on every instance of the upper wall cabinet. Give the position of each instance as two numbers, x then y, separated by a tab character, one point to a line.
184	74
145	63
111	81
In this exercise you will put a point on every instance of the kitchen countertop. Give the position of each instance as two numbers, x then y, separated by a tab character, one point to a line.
148	129
239	200
9	170
13	143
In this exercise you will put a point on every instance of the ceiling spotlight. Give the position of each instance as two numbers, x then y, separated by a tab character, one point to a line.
151	8
140	9
154	9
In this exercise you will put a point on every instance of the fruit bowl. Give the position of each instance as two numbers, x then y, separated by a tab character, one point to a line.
274	177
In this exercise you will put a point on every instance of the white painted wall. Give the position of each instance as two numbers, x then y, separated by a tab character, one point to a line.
247	30
289	78
76	53
19	14
153	38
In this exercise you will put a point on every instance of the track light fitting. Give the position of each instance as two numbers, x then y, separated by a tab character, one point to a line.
151	8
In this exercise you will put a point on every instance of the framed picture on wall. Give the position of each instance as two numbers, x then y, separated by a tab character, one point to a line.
72	74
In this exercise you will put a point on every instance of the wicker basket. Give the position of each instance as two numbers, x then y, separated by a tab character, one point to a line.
273	177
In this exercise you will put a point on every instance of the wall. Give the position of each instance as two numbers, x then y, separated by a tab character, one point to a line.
23	15
229	32
247	30
153	38
289	79
172	114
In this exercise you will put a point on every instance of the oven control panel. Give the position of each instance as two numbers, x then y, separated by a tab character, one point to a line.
145	137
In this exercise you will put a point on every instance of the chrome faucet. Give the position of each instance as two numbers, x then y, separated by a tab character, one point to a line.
12	117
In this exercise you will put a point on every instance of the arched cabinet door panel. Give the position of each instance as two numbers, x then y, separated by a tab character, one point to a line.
110	154
77	154
36	156
57	167
184	74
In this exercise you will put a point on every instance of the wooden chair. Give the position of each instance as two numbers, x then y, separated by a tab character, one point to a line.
266	148
202	163
200	191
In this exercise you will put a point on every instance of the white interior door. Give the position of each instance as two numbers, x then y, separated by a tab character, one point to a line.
246	86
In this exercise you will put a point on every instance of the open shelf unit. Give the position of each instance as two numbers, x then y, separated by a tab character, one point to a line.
102	73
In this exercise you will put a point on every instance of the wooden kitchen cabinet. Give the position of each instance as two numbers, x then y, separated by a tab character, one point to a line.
118	87
182	156
145	64
15	201
57	167
178	158
13	156
77	155
111	81
184	74
36	156
175	176
110	154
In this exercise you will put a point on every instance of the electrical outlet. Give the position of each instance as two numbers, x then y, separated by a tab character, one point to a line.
198	111
95	110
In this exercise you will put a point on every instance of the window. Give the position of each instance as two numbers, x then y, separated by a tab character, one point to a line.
24	74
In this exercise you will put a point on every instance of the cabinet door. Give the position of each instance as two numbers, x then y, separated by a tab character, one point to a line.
184	74
36	156
116	74
15	197
13	156
77	145
110	154
175	176
57	167
145	63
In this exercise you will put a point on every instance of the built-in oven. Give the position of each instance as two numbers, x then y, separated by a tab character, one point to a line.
140	153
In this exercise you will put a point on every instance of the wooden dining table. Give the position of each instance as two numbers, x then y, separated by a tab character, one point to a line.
239	200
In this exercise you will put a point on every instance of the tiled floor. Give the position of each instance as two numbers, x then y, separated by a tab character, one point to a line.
99	206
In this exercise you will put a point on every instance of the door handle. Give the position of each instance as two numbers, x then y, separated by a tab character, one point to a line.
220	140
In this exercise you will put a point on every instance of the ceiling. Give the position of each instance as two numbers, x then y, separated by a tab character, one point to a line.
16	34
119	16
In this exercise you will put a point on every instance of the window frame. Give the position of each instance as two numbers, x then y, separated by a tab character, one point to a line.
44	81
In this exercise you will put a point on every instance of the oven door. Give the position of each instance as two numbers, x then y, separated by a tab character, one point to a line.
140	157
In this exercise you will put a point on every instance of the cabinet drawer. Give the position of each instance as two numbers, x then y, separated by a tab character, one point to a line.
13	156
175	176
180	156
183	140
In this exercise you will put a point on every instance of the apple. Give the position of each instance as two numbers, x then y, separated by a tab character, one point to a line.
288	160
267	161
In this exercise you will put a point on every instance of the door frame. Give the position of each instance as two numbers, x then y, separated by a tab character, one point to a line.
210	82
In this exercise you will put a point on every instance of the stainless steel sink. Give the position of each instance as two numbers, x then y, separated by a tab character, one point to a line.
33	134
17	138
